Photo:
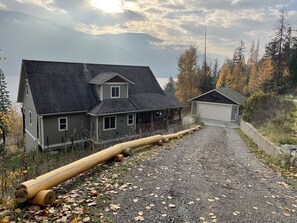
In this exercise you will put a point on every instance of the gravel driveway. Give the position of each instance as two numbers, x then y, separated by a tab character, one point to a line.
209	176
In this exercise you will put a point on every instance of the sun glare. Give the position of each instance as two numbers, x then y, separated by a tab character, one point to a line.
109	6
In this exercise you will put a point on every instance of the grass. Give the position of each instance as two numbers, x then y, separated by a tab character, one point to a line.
290	173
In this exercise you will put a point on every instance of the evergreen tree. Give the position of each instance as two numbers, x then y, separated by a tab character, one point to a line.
279	51
206	78
4	104
293	66
187	79
170	86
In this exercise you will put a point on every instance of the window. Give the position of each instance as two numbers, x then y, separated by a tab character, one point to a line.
62	124
109	123
115	91
130	119
30	117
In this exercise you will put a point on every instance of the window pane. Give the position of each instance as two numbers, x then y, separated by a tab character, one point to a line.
112	122
115	91
106	123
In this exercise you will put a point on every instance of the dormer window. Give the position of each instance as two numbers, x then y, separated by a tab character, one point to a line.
115	91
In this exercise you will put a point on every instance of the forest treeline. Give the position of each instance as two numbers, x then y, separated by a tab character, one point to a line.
247	72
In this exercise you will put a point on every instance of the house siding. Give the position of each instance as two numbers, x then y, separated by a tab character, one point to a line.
31	129
107	90
78	124
122	128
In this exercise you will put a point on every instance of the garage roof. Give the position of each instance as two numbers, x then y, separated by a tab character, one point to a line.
229	93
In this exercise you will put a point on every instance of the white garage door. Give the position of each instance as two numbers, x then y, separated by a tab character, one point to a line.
214	111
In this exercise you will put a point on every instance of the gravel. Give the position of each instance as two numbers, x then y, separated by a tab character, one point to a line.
209	176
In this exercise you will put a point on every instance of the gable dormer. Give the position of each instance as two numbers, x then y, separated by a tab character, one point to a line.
110	85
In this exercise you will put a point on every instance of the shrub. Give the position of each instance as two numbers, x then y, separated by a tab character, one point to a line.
262	108
273	115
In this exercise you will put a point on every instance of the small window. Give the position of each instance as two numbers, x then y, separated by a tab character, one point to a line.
63	125
30	117
109	123
130	119
115	91
159	114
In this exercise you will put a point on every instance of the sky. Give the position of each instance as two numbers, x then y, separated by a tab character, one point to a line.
136	32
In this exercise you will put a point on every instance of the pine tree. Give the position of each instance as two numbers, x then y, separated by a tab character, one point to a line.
170	86
279	51
206	78
4	104
187	79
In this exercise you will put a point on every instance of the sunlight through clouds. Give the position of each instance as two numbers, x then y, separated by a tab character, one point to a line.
108	6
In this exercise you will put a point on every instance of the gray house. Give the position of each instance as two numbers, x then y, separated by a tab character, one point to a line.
66	103
221	104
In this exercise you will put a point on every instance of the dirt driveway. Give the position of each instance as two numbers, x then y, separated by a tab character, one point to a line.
209	176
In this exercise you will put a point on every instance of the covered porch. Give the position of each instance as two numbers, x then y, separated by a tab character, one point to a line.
151	121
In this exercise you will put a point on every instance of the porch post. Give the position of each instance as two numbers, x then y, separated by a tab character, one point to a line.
97	129
179	115
166	119
152	121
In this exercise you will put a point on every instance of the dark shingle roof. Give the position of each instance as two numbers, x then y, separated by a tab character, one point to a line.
60	87
154	101
105	76
233	95
112	106
228	93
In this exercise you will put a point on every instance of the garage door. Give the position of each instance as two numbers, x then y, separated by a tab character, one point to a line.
214	111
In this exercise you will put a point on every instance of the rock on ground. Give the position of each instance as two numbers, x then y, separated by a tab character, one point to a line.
209	176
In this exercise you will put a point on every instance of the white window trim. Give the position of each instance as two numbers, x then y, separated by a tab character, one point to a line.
115	124
30	117
60	130
111	87
133	119
27	88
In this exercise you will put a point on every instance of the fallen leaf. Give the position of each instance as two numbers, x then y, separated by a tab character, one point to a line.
86	219
287	214
171	205
202	218
140	213
164	215
210	200
114	207
191	202
139	218
148	207
135	200
256	208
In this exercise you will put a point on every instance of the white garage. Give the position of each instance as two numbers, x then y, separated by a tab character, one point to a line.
219	104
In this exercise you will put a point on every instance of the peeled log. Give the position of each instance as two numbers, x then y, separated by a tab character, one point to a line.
119	158
126	152
43	198
30	188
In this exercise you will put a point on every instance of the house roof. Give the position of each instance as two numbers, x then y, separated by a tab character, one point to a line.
60	87
228	93
106	76
113	106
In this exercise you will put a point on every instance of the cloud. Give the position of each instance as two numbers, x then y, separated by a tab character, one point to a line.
177	22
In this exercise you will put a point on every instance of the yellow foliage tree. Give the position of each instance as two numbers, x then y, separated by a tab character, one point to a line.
187	79
223	74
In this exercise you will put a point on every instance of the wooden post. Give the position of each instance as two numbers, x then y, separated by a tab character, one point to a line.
152	122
